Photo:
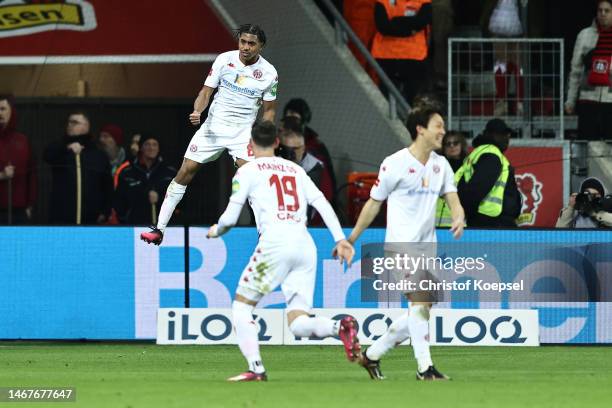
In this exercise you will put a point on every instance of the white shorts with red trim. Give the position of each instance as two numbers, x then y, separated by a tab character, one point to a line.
291	265
212	139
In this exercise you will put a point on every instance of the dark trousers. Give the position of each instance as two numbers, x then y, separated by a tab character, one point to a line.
409	76
594	121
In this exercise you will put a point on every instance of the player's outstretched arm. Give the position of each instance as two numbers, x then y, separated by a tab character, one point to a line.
228	219
200	103
457	214
369	211
269	110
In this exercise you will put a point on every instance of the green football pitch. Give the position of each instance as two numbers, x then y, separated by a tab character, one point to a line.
145	375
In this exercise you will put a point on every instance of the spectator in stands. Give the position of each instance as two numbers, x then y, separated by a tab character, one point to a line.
401	44
134	145
298	108
82	186
442	21
454	148
293	147
486	184
111	141
16	167
590	77
501	19
358	14
141	184
586	209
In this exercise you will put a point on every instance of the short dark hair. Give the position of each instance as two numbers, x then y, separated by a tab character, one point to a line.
291	124
251	29
7	97
264	133
420	117
300	106
81	112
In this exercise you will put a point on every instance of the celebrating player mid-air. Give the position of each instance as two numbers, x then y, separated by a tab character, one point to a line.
279	192
245	81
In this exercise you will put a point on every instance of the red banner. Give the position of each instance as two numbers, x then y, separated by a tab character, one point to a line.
539	173
43	28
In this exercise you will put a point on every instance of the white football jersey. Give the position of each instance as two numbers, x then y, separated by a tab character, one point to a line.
412	190
279	192
241	88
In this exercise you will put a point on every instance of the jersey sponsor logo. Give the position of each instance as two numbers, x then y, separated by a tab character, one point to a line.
411	170
193	148
239	89
257	74
231	65
436	168
531	193
21	17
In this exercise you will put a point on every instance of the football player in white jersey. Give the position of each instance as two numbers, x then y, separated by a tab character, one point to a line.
279	192
411	180
245	82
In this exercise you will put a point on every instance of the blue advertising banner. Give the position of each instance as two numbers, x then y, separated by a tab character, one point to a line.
59	283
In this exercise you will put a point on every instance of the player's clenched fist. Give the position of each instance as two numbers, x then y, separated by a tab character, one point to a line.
344	251
194	117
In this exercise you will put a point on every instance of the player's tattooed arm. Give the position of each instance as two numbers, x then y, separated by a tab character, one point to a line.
200	103
269	110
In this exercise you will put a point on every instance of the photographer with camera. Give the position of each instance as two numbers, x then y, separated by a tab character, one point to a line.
587	209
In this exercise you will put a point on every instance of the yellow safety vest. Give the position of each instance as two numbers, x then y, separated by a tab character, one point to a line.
444	217
492	204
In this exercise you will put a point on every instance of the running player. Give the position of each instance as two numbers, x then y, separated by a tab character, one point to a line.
411	180
279	192
245	82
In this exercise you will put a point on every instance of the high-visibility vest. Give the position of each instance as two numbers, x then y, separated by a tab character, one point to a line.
492	204
414	47
444	217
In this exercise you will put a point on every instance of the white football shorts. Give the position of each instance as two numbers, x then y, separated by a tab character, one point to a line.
292	264
212	139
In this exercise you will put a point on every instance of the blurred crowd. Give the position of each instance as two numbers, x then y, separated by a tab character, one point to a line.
113	178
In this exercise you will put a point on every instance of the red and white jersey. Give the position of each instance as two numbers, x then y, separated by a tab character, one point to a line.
412	190
241	88
279	192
